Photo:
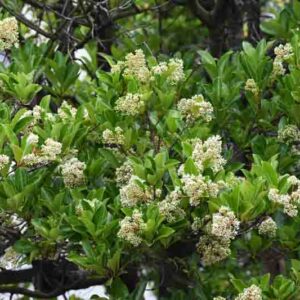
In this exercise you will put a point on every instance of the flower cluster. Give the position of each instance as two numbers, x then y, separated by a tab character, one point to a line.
208	154
124	174
4	161
66	111
283	53
135	65
50	151
267	227
73	172
251	293
130	104
219	298
213	250
225	224
8	33
113	138
290	202
131	228
289	134
133	193
214	246
170	206
195	108
175	70
251	86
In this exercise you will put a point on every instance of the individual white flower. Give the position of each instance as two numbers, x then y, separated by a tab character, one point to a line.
130	105
252	87
225	224
132	193
131	228
251	293
195	108
51	149
208	154
4	161
115	137
73	172
268	227
8	33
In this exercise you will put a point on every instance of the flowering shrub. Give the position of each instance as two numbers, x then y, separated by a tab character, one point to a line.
151	174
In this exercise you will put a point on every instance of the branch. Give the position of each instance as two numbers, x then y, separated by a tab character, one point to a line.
21	276
13	277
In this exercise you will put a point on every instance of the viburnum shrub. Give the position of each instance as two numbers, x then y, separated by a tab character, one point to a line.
150	176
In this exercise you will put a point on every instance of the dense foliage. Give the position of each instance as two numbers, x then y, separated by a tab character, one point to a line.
150	165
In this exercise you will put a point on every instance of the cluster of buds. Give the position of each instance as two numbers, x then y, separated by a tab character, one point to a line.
268	227
251	86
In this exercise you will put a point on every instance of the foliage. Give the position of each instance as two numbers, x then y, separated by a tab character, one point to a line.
160	172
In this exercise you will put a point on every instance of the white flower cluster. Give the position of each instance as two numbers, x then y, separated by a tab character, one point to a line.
10	259
251	293
130	104
73	172
290	202
113	138
66	111
225	224
135	65
195	108
208	154
214	246
251	86
4	161
283	53
289	134
268	227
8	33
124	173
131	228
170	206
175	70
132	193
32	139
219	298
50	151
213	250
